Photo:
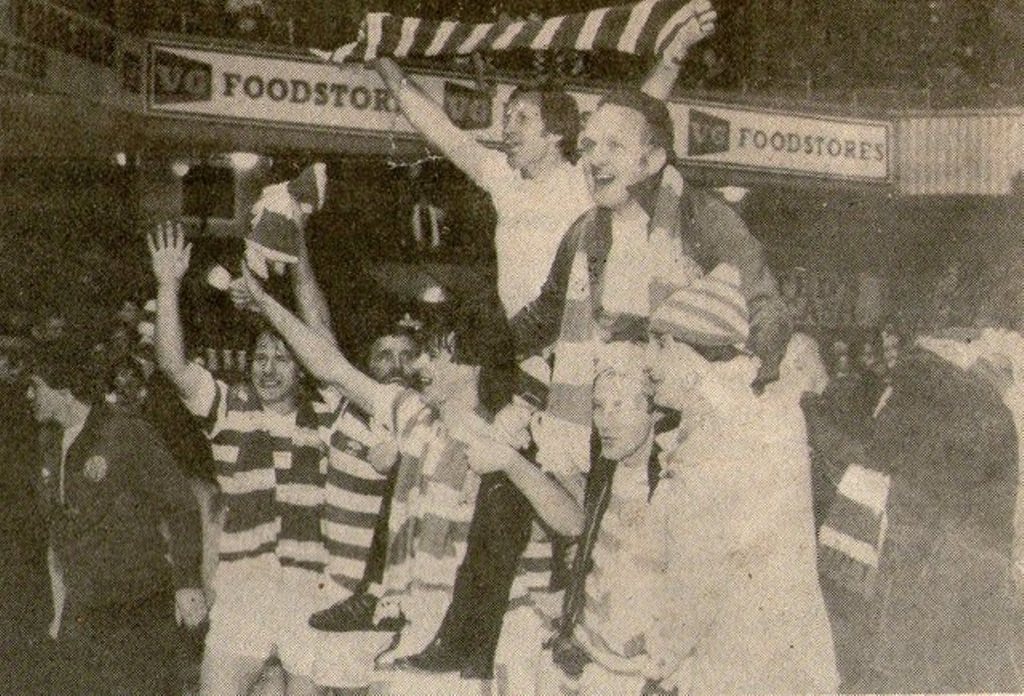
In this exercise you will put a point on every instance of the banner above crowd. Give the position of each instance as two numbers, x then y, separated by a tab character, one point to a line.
640	28
295	91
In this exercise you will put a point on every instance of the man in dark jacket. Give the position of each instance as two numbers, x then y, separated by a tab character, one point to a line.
115	484
945	613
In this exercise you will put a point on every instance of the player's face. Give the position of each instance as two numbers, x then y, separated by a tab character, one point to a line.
622	416
274	372
525	138
391	360
616	153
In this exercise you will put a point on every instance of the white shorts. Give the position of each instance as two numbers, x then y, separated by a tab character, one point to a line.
261	609
346	660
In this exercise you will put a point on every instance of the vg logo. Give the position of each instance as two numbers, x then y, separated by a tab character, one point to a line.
179	79
708	134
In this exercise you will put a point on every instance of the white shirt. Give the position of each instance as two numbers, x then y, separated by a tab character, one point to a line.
533	216
627	272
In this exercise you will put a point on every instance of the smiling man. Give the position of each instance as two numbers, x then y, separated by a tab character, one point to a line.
283	464
536	189
626	154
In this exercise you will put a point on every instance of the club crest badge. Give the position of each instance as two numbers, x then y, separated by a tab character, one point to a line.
96	468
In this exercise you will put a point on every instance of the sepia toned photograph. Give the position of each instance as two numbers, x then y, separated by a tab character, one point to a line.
511	348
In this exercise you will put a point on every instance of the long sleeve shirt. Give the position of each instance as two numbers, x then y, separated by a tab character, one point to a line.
119	483
713	234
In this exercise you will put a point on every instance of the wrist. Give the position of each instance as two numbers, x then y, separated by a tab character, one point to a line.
507	460
672	61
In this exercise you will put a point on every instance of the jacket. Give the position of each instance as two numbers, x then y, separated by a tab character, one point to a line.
119	484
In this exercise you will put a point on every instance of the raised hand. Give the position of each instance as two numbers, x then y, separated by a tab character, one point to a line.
251	290
695	21
169	253
241	298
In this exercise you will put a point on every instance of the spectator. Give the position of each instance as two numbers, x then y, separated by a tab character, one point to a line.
52	326
722	621
945	615
601	624
115	483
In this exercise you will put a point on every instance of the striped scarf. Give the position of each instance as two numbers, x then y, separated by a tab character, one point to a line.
641	28
431	508
565	447
851	539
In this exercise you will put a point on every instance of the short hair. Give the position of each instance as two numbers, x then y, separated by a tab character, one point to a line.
639	378
558	111
68	364
654	112
395	330
127	364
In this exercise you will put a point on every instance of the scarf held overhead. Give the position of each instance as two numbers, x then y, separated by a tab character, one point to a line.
565	446
641	28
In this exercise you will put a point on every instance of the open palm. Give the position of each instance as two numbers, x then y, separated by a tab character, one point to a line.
169	253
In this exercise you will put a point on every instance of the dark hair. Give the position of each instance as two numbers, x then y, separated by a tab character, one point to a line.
396	330
68	364
558	111
654	111
128	364
476	332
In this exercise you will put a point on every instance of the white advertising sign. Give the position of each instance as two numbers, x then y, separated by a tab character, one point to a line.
232	86
768	141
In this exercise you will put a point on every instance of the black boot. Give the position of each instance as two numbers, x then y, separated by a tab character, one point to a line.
353	614
438	656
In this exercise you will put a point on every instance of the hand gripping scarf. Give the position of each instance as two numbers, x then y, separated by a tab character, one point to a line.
279	218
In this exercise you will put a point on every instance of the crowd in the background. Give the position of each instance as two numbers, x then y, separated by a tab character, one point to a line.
632	478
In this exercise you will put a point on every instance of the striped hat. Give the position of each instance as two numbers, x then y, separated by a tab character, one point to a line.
710	312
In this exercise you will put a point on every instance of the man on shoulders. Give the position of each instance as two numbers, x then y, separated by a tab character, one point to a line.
626	152
536	188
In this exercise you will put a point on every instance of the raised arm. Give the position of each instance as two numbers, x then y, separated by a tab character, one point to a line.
552	502
430	119
317	354
309	296
170	257
694	26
